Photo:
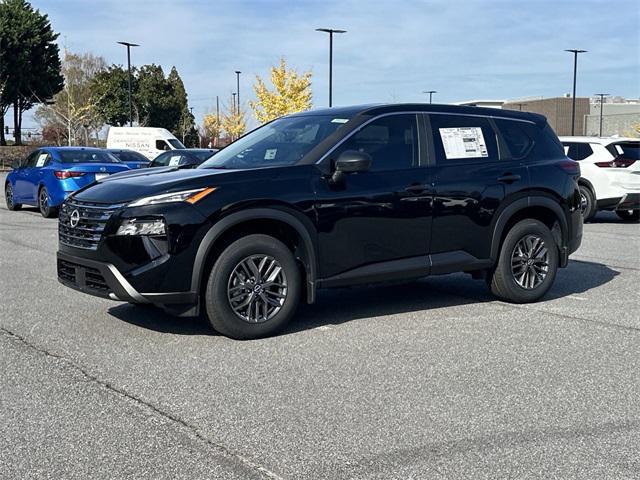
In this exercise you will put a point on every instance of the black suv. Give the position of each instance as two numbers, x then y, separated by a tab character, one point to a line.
330	198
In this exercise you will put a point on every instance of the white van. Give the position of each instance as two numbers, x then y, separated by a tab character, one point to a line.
149	141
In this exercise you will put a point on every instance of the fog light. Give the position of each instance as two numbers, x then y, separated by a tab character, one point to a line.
142	227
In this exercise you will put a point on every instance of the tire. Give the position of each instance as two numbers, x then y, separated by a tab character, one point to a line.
587	203
46	210
505	280
272	300
8	197
629	215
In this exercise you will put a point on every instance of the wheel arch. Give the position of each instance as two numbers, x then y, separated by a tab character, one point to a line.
278	222
540	208
589	185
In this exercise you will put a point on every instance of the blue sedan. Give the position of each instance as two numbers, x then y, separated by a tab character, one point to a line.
50	174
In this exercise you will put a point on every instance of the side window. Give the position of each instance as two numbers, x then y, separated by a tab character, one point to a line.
42	159
392	142
516	137
162	145
459	138
578	151
30	161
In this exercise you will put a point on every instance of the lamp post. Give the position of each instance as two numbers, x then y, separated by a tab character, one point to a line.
601	95
573	102
430	92
330	31
129	45
238	88
233	107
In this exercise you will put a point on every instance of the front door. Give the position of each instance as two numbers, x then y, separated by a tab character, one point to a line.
379	220
23	191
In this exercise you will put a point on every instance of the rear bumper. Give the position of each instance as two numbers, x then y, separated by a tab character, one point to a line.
103	279
631	201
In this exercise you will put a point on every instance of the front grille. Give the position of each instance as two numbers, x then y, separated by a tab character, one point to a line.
91	221
83	277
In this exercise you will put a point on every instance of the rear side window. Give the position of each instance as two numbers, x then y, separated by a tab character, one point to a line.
578	151
459	138
628	150
392	142
515	134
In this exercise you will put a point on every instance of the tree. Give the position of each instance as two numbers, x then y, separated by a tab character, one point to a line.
291	93
212	128
156	100
30	60
74	109
110	89
186	126
233	121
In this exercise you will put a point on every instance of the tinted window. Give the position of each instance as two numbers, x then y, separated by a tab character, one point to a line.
31	160
578	151
459	138
86	156
282	142
162	160
162	145
514	134
628	150
392	142
202	156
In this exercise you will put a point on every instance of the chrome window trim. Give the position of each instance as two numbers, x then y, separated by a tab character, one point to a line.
412	112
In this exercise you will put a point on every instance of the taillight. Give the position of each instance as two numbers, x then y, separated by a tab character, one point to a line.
570	166
619	162
62	174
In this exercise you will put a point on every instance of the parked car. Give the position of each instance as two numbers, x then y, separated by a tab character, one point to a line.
610	174
148	141
130	158
331	198
48	175
185	158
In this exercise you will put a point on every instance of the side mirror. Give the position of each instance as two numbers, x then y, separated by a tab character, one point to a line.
353	161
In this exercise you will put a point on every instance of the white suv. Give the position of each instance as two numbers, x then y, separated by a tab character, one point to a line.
610	174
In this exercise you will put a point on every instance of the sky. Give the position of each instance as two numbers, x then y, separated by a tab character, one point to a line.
392	51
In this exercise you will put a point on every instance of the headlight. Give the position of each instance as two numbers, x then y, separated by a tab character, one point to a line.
189	196
133	226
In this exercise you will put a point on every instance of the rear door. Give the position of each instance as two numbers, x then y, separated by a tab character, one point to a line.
474	177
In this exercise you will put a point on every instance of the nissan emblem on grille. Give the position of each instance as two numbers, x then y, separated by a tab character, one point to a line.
74	218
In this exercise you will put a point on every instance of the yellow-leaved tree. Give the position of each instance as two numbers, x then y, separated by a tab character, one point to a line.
291	93
233	121
212	127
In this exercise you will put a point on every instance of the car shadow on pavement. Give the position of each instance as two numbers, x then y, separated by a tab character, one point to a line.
341	305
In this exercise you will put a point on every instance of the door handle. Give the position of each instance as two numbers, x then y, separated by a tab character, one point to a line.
509	178
416	188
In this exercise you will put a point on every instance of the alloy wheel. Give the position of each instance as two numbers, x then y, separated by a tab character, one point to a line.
257	288
9	197
530	262
43	201
584	203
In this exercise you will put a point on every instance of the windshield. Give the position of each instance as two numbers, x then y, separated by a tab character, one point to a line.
130	156
176	144
86	156
280	143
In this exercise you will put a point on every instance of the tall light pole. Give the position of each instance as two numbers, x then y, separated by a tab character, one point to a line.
233	107
575	71
129	45
238	87
330	31
430	92
601	95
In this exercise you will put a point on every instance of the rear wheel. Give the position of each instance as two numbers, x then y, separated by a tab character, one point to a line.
527	264
587	203
629	215
46	210
253	288
8	196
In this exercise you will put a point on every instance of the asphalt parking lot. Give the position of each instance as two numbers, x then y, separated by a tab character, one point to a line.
431	379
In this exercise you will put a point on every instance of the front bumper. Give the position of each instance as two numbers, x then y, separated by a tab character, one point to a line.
104	280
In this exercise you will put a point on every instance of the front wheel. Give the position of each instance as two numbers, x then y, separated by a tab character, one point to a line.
629	215
8	196
253	288
587	203
527	264
46	210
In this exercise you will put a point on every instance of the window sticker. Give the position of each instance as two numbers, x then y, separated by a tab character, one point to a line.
42	158
270	153
463	142
174	160
340	120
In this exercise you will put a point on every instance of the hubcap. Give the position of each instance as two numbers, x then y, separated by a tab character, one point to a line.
584	203
44	201
530	262
9	196
257	288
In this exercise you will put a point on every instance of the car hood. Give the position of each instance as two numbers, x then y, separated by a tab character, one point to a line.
134	184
